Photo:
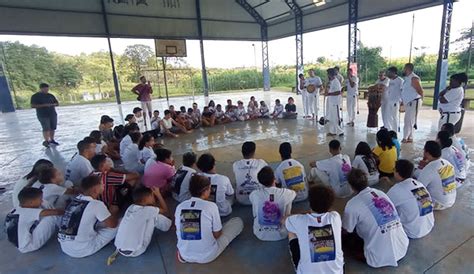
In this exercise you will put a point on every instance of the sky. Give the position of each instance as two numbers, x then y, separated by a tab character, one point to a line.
391	33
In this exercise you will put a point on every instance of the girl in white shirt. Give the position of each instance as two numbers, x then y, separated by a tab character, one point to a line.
365	161
452	155
450	100
29	179
146	148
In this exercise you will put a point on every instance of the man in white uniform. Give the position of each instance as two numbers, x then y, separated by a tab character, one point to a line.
334	100
352	84
339	76
383	82
412	94
450	100
312	100
391	102
304	94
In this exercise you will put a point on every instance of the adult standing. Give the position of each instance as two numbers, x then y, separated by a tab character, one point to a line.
352	84
392	102
144	91
412	94
382	83
333	104
45	104
313	85
304	94
339	76
450	100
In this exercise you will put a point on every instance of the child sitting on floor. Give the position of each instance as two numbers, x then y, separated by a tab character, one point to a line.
221	117
395	141
240	112
365	161
315	238
386	153
290	109
291	174
454	156
270	206
333	171
264	111
146	148
131	161
208	119
277	110
180	181
169	127
50	181
30	225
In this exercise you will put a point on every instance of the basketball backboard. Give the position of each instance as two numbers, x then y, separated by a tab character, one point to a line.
170	48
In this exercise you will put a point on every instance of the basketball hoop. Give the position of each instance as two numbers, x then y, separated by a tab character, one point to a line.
170	48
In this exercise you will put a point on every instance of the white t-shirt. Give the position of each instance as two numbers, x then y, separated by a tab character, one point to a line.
316	81
415	207
78	224
51	193
457	159
375	218
167	124
395	90
290	174
131	158
334	86
439	178
19	185
368	166
270	205
180	183
278	111
147	153
155	123
340	78
246	181
353	91
141	123
77	169
99	147
454	97
319	239
126	141
337	168
137	226
221	188
219	114
195	220
408	91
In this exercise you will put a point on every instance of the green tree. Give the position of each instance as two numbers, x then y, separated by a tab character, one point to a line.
136	56
370	62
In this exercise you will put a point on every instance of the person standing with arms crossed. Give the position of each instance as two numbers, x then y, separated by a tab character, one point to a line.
144	91
45	104
412	94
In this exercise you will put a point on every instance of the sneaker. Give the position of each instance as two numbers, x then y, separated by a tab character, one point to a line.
53	142
46	144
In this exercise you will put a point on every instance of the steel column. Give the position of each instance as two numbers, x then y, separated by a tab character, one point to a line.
295	8
264	38
442	64
205	83
352	32
112	62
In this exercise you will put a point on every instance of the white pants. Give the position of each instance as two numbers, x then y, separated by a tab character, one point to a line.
147	108
451	118
316	103
390	115
410	118
307	103
351	105
41	234
79	249
334	119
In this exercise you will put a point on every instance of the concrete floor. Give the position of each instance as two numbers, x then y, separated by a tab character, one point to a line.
448	248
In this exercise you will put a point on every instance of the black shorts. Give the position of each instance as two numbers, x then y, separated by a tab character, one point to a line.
48	123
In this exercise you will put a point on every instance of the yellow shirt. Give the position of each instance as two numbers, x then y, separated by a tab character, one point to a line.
387	158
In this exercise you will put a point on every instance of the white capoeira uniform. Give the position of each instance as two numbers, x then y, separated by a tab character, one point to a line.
333	108
304	96
385	82
391	105
313	98
411	100
451	111
352	94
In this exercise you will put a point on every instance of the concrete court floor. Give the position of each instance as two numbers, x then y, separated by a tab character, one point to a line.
448	248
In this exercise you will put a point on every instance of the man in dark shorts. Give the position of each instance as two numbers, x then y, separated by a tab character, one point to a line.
45	104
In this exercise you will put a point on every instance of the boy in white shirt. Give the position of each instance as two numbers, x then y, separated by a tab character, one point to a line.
457	142
201	236
270	206
126	140
373	218
290	173
454	156
246	171
412	201
80	166
139	222
438	176
240	112
139	119
131	156
222	192
155	120
180	181
49	181
87	225
264	111
278	110
30	225
333	171
315	238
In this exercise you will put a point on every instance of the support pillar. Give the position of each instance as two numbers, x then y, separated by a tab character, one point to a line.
352	33
295	8
201	46
6	101
442	64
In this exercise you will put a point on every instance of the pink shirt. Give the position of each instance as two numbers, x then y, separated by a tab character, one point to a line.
158	174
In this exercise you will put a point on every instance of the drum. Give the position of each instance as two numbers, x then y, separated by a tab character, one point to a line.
374	103
311	88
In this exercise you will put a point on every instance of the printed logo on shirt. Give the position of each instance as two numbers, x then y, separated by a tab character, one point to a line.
11	227
345	168
293	177
370	164
423	199
448	181
322	246
213	195
72	219
458	159
270	214
384	213
248	185
190	224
